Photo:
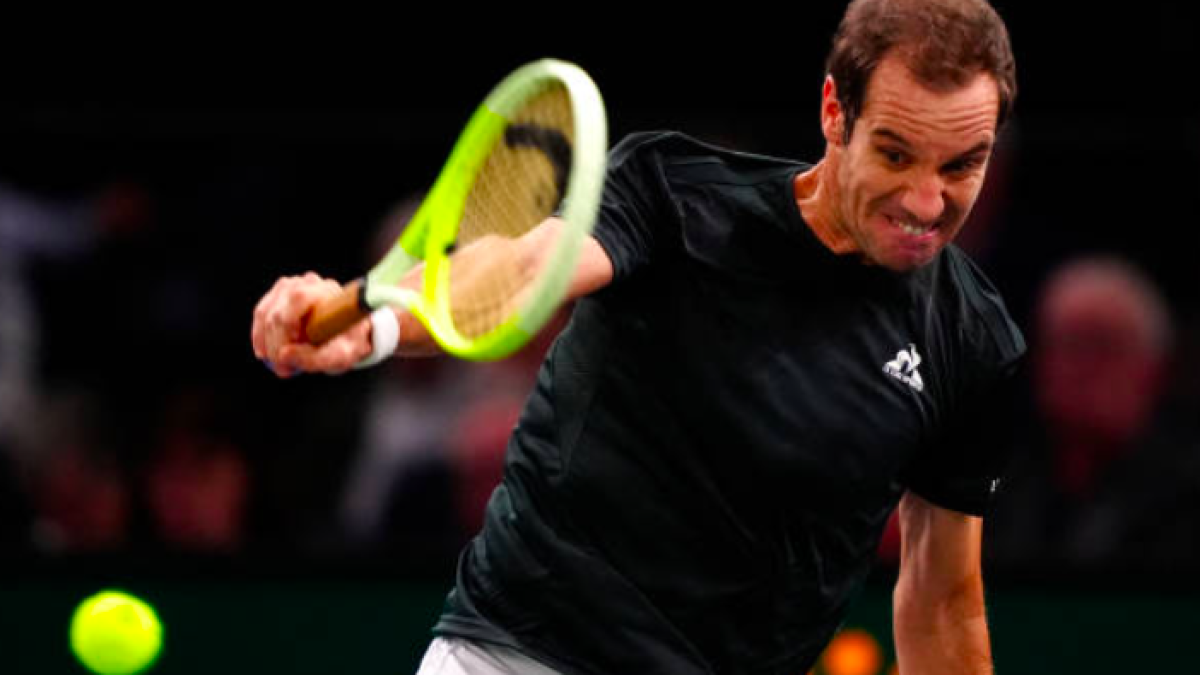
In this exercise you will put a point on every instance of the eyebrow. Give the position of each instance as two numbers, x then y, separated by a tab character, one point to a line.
979	148
891	135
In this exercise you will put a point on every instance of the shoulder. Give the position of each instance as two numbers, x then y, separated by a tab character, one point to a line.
679	152
728	209
661	142
983	317
648	145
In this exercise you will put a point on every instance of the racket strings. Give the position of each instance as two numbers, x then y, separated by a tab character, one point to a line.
522	183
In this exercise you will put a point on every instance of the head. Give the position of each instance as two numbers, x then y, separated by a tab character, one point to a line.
915	93
1103	336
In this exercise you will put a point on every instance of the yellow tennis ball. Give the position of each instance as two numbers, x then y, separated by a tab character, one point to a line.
115	633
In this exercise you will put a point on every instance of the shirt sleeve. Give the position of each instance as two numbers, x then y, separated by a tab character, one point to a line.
634	205
964	466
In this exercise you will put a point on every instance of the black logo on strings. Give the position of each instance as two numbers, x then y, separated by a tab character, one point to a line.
552	143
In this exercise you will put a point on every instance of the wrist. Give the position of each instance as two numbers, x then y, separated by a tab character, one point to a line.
385	336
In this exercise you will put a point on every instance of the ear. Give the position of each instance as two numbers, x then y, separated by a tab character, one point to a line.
833	119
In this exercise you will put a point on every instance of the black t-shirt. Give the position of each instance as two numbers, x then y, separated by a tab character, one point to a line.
700	478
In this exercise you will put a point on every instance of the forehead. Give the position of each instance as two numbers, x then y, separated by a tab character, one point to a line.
896	101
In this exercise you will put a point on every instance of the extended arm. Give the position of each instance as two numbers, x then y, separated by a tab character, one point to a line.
276	329
940	622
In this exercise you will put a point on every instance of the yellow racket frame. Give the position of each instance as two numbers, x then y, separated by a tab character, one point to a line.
434	228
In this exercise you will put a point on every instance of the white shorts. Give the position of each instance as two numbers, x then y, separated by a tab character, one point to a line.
455	656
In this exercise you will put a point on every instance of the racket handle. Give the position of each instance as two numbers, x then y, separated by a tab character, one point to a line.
333	315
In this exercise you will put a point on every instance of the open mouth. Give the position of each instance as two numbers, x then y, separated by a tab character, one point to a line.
912	227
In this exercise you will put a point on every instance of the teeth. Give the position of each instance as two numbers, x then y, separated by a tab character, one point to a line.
910	229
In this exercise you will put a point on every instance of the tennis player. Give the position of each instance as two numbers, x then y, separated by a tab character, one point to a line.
766	359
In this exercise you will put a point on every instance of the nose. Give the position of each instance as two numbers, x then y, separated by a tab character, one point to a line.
924	198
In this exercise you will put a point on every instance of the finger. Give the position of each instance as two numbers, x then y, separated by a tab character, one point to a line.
258	323
281	371
274	334
288	303
266	312
257	332
301	298
278	319
330	357
336	356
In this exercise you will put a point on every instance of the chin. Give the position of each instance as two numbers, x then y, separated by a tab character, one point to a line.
904	264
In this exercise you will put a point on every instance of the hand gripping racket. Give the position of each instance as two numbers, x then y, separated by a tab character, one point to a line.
536	147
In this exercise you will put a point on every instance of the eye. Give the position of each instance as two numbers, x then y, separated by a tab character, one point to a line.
964	166
893	157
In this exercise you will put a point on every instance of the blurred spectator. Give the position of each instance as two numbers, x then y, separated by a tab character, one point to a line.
405	424
80	490
477	444
1106	477
196	481
62	486
32	228
438	489
83	503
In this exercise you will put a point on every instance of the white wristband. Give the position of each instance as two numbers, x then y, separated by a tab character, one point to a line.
385	335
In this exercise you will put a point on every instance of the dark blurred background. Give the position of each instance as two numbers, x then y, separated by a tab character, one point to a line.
158	173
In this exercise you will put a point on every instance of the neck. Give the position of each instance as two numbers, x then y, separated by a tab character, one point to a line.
817	196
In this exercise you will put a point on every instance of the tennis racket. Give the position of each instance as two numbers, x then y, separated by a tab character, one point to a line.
536	147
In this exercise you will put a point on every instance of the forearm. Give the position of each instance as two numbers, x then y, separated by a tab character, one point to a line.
946	634
481	263
474	268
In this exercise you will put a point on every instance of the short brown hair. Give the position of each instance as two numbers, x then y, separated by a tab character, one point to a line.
943	43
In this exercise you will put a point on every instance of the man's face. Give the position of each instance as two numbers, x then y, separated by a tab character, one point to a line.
914	164
1096	368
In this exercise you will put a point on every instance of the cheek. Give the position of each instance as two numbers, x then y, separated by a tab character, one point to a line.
959	201
964	194
860	175
869	186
